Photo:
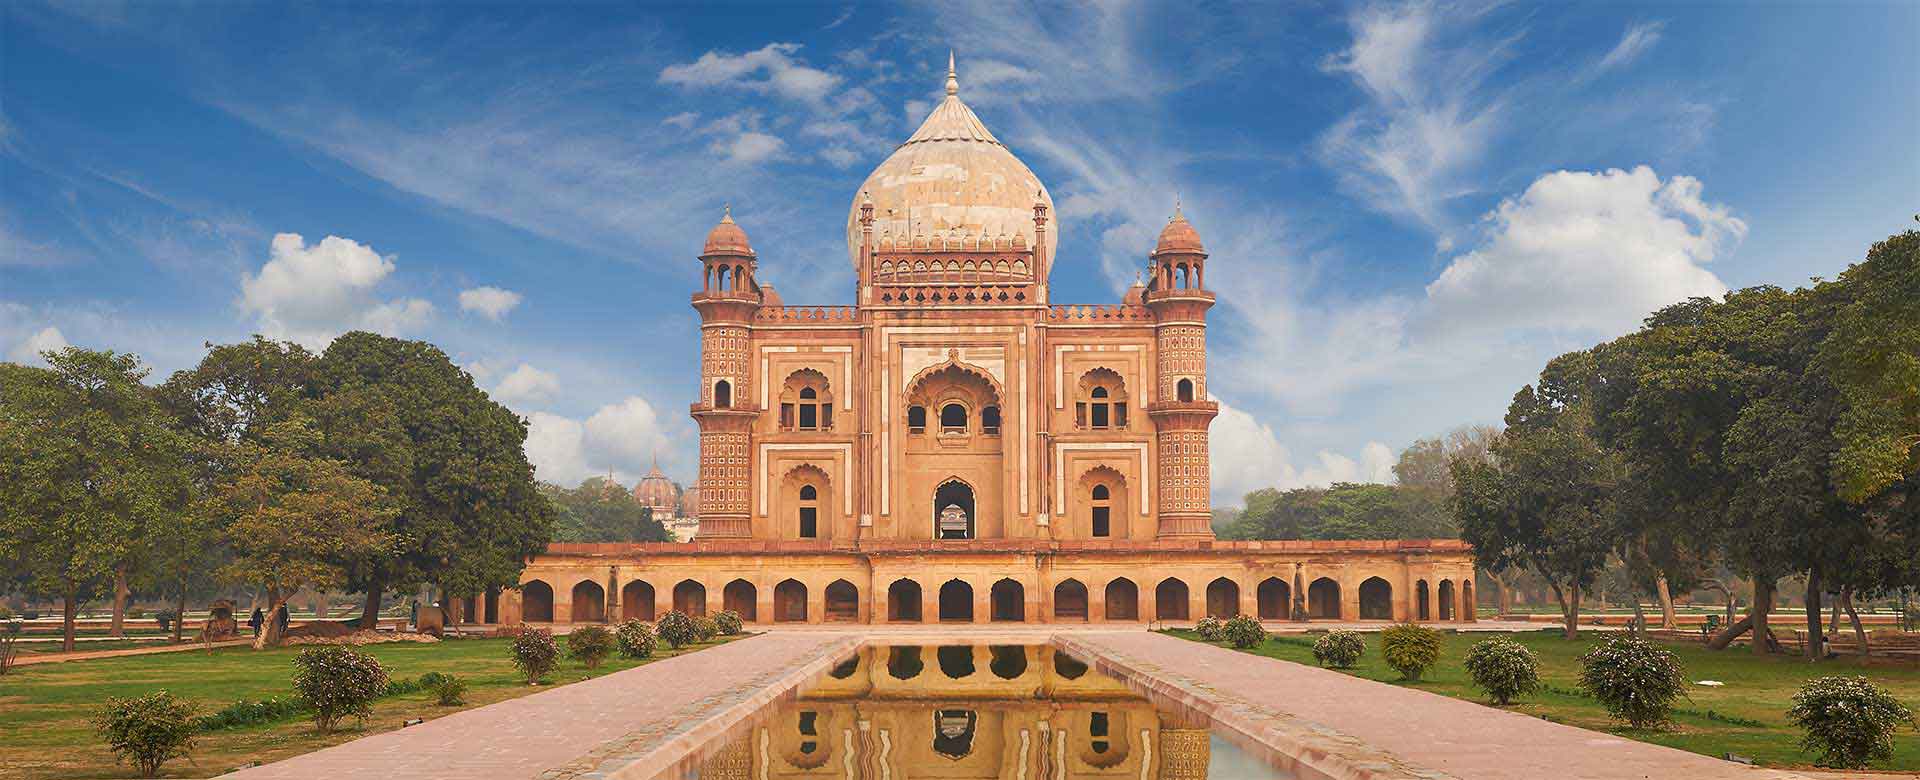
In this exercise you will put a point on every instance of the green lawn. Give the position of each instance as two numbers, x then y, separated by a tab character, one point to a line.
44	708
1757	689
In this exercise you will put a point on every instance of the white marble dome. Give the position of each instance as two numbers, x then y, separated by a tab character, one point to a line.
951	177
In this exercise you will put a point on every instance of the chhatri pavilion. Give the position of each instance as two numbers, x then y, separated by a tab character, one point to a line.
956	446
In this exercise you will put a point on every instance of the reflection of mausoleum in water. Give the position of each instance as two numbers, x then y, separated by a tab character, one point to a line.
957	447
1001	711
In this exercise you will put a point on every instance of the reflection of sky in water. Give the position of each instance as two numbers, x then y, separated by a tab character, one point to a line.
974	711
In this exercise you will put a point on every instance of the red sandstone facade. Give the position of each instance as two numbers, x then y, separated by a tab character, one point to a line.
956	446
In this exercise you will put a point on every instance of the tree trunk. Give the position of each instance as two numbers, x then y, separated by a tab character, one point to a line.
1859	631
1639	618
1506	596
1660	589
120	593
180	614
270	632
370	613
1816	631
1730	633
1833	622
69	603
1762	607
1569	609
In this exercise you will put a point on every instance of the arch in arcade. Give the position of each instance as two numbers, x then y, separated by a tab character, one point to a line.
589	602
636	601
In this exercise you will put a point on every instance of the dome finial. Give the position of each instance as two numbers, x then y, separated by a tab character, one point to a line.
1176	209
953	77
726	216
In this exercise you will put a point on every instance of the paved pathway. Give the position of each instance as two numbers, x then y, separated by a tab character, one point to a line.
571	730
25	659
1340	726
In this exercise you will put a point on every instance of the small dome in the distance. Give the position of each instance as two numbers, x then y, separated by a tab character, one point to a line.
1178	236
726	238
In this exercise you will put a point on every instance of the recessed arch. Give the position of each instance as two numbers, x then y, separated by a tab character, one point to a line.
1070	600
1422	607
1323	599
723	394
690	598
536	602
1170	600
1184	390
741	598
1123	600
954	510
903	602
956	602
1446	600
842	601
1102	499
589	602
790	602
1275	599
1009	601
1223	598
1376	599
636	600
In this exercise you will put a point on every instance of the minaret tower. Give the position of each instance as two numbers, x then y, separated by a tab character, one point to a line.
725	412
1180	409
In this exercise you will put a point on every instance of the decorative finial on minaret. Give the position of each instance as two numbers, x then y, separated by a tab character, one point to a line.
953	77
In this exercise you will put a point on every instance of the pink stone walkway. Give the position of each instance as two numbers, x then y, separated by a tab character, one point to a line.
568	730
1338	726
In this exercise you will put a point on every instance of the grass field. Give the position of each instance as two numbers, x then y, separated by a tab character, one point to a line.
45	708
1712	721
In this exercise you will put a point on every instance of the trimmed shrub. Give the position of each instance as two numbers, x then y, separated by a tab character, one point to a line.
338	681
704	628
728	621
535	652
147	730
1503	668
1635	679
447	690
1244	632
248	713
635	638
1848	721
675	629
1210	628
1410	649
590	645
1339	649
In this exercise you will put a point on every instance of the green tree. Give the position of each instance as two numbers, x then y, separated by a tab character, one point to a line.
76	443
467	511
297	519
1873	353
600	510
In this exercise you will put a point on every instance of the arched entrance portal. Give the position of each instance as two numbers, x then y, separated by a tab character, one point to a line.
790	602
1170	600
690	598
953	511
1123	600
1223	598
741	598
843	601
1421	610
1446	599
589	603
536	602
636	601
1070	601
1323	599
1009	601
1276	599
1376	599
956	602
903	602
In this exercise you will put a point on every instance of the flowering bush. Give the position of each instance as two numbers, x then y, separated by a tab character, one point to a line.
1339	649
1635	679
1244	632
676	629
1210	628
1503	668
149	730
636	639
704	628
1410	649
1849	721
590	644
338	681
728	621
535	652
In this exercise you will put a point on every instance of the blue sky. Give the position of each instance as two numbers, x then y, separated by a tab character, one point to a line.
1410	206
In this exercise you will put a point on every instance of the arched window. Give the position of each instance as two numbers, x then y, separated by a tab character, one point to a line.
1103	401
1102	511
805	402
953	418
722	394
990	421
809	512
1185	390
916	419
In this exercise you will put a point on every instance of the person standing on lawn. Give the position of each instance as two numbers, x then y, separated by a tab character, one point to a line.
257	620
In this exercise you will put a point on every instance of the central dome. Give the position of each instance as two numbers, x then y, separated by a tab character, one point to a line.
951	176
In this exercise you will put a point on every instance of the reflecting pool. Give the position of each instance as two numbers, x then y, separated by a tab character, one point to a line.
1010	712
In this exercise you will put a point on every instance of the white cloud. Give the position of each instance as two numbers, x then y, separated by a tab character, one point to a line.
622	438
309	294
526	385
1638	40
47	339
490	302
750	147
1247	455
772	69
1588	251
1426	122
